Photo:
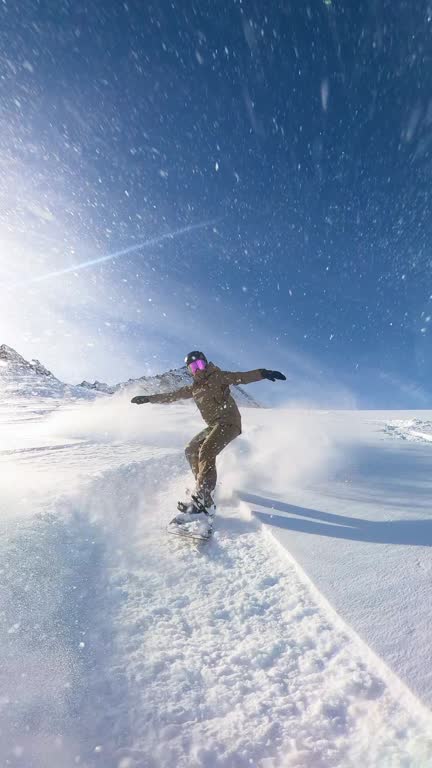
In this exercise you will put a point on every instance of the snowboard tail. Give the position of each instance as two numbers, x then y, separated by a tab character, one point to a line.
191	528
182	532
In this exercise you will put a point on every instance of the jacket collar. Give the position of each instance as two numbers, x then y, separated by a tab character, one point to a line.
204	375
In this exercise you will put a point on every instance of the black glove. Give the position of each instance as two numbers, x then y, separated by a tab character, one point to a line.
140	399
272	375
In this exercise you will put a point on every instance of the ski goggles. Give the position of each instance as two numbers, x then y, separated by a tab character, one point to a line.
197	365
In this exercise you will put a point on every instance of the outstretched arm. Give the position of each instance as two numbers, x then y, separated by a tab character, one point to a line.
242	377
169	397
248	377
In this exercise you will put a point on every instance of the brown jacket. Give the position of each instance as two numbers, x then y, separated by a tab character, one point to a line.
211	392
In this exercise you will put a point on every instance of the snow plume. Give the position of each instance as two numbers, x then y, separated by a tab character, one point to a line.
115	418
298	449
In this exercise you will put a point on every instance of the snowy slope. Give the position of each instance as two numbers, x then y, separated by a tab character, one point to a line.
128	649
363	533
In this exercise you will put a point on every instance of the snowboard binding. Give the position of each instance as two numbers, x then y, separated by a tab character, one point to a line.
195	519
196	507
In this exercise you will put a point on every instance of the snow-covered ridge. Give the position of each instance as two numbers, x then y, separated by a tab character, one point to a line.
413	430
21	378
18	377
165	382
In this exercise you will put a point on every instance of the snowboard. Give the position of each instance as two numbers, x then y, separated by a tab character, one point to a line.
199	530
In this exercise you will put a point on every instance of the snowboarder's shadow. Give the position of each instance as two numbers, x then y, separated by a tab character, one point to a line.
288	516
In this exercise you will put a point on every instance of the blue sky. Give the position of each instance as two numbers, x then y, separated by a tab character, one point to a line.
293	139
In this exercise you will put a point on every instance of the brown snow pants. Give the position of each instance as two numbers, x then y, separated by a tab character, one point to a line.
202	451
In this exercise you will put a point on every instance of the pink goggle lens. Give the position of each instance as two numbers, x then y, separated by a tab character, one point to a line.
197	365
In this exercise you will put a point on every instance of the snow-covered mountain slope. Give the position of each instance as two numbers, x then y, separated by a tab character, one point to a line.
126	648
166	382
20	378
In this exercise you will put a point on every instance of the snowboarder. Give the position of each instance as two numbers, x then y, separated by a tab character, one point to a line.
211	391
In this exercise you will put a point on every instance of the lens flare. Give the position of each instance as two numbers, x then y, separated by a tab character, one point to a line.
123	252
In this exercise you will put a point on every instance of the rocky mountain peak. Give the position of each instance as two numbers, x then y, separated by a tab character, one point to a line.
20	377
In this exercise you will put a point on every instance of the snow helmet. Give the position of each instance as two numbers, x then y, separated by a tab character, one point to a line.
193	356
